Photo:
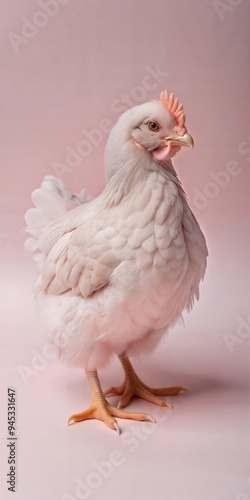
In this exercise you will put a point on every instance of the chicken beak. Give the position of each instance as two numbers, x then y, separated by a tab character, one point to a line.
181	140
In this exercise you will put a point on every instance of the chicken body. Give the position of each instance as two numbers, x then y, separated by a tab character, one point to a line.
116	272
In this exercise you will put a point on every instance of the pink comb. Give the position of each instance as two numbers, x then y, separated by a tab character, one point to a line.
172	105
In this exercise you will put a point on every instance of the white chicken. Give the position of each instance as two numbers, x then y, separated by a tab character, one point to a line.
116	272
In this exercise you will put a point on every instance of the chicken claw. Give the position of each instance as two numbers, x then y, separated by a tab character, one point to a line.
133	386
100	409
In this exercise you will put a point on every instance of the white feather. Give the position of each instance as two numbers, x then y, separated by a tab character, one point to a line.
116	272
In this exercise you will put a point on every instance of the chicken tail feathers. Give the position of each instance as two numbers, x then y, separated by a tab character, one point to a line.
51	201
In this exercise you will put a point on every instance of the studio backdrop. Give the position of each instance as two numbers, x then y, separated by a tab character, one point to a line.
69	69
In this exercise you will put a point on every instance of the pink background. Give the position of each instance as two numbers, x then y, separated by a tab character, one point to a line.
67	76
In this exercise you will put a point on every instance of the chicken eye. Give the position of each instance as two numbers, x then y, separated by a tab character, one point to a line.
153	126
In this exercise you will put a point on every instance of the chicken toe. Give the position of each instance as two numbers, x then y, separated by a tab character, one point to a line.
100	409
133	386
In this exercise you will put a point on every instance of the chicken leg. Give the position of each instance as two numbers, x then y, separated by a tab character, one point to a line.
133	386
100	409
